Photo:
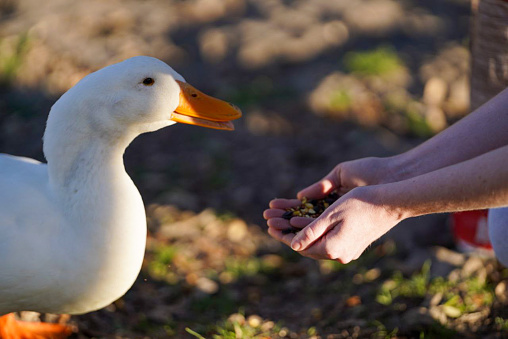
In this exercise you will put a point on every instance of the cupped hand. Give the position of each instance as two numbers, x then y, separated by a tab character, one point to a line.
350	174
343	178
278	207
344	230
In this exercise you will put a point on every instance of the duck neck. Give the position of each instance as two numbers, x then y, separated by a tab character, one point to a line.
102	209
81	164
82	157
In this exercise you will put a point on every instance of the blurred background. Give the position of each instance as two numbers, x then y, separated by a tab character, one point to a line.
319	82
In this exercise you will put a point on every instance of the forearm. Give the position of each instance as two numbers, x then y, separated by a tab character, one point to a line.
478	183
482	131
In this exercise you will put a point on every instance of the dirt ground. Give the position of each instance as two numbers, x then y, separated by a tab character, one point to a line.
319	82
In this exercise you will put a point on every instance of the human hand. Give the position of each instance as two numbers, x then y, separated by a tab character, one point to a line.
350	174
343	178
342	232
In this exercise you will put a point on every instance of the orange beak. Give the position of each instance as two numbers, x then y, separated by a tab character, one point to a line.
197	108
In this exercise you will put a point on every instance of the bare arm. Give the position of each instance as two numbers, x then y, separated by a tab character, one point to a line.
364	214
482	131
478	183
462	168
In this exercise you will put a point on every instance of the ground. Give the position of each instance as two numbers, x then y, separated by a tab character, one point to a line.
319	82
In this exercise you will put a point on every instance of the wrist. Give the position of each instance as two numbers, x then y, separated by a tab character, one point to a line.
382	196
402	166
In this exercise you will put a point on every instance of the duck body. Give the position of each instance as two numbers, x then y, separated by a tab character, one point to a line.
93	222
73	231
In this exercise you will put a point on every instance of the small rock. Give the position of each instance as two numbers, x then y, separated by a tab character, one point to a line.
372	274
435	91
438	314
236	318
458	102
226	277
454	275
266	123
435	118
267	326
237	230
501	291
446	255
473	318
283	332
254	321
353	301
373	17
436	299
335	32
474	265
206	285
214	45
421	23
451	311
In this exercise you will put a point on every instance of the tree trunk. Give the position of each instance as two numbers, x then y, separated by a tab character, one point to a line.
489	50
489	76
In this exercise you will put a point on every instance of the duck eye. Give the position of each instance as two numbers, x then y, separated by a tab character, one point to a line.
148	82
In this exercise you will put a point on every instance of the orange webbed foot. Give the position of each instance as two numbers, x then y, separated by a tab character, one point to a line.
11	328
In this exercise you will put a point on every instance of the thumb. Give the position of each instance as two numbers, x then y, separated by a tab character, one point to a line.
321	188
311	233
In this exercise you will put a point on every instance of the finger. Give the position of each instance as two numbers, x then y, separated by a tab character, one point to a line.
318	253
273	213
312	233
282	204
300	222
321	188
318	249
284	238
278	223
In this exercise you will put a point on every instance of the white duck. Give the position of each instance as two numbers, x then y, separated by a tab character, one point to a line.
72	231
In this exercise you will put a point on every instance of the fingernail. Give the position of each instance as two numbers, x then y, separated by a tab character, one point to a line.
295	246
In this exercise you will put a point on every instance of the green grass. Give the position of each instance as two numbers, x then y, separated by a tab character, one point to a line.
464	297
501	323
341	100
239	267
414	287
417	124
381	61
237	327
11	61
247	267
158	267
383	332
194	333
459	297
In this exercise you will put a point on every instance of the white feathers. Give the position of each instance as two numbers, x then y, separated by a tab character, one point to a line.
72	233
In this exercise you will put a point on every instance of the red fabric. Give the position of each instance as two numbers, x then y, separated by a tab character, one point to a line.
471	227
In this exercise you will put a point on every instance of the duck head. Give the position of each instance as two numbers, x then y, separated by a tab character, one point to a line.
142	94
